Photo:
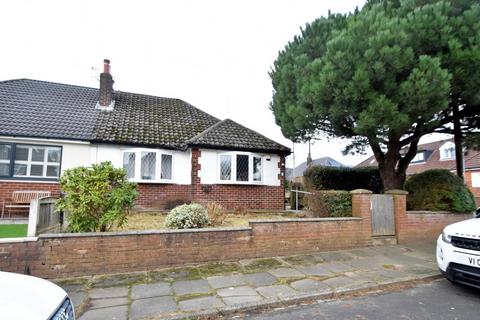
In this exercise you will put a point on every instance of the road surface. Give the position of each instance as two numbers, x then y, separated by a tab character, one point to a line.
437	300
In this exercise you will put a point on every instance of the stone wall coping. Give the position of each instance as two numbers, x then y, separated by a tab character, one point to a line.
396	191
436	212
17	240
361	191
305	220
139	232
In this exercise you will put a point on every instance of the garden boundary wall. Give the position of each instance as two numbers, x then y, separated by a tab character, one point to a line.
85	254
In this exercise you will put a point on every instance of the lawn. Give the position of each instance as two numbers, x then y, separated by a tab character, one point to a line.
13	230
147	221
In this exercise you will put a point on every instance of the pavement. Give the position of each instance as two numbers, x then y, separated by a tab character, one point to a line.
226	287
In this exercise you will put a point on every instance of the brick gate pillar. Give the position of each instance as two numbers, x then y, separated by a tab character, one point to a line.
399	211
362	208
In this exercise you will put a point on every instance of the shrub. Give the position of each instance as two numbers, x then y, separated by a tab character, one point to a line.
216	213
330	203
332	178
96	198
438	190
187	216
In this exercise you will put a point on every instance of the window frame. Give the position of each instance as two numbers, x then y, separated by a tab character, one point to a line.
233	168
418	161
29	162
444	149
158	165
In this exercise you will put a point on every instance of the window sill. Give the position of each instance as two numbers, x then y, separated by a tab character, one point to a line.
29	179
241	183
153	181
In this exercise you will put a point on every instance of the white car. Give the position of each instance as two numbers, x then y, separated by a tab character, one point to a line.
458	252
25	297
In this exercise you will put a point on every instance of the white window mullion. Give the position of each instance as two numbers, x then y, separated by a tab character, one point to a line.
138	163
158	165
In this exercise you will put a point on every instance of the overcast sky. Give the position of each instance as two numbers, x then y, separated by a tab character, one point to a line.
214	54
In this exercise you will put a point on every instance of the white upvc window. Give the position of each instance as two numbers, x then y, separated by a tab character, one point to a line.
476	179
419	157
240	167
447	151
147	165
32	161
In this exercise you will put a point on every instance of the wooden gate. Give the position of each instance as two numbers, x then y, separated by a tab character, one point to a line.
383	220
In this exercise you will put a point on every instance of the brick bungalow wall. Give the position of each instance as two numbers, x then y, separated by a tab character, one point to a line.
238	196
168	195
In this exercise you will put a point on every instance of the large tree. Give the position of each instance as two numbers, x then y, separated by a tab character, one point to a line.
382	77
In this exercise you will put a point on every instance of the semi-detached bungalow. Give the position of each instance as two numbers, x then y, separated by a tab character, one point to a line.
173	150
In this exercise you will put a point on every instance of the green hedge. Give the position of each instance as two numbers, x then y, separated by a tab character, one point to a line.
438	190
330	178
330	203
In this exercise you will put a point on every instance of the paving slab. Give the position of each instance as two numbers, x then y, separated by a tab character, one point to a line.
339	282
316	270
309	285
112	292
150	307
118	280
286	273
260	279
184	287
241	300
158	289
371	263
110	302
237	291
334	256
337	267
226	281
362	252
277	291
113	313
202	303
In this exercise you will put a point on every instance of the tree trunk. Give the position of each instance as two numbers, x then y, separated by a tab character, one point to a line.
392	179
457	130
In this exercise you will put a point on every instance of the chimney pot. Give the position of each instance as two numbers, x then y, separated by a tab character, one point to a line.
106	66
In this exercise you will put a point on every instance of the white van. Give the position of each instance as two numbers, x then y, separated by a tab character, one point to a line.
458	252
25	297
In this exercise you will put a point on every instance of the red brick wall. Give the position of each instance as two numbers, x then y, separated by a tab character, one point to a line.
468	182
76	255
414	226
162	195
7	188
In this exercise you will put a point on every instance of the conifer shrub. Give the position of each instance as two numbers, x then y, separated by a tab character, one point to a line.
438	190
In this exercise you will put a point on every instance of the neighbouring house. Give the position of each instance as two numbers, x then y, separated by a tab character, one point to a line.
441	155
296	174
173	150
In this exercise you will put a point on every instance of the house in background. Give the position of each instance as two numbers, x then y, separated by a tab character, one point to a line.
296	174
173	150
441	155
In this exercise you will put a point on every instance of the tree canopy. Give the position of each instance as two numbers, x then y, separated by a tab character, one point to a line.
383	77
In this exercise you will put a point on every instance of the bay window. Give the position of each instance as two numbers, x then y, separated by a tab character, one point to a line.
21	161
148	165
246	168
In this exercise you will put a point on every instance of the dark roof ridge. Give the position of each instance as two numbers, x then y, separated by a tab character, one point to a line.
204	132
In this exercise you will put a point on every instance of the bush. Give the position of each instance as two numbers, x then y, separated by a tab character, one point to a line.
330	203
216	214
96	198
331	178
187	216
438	190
